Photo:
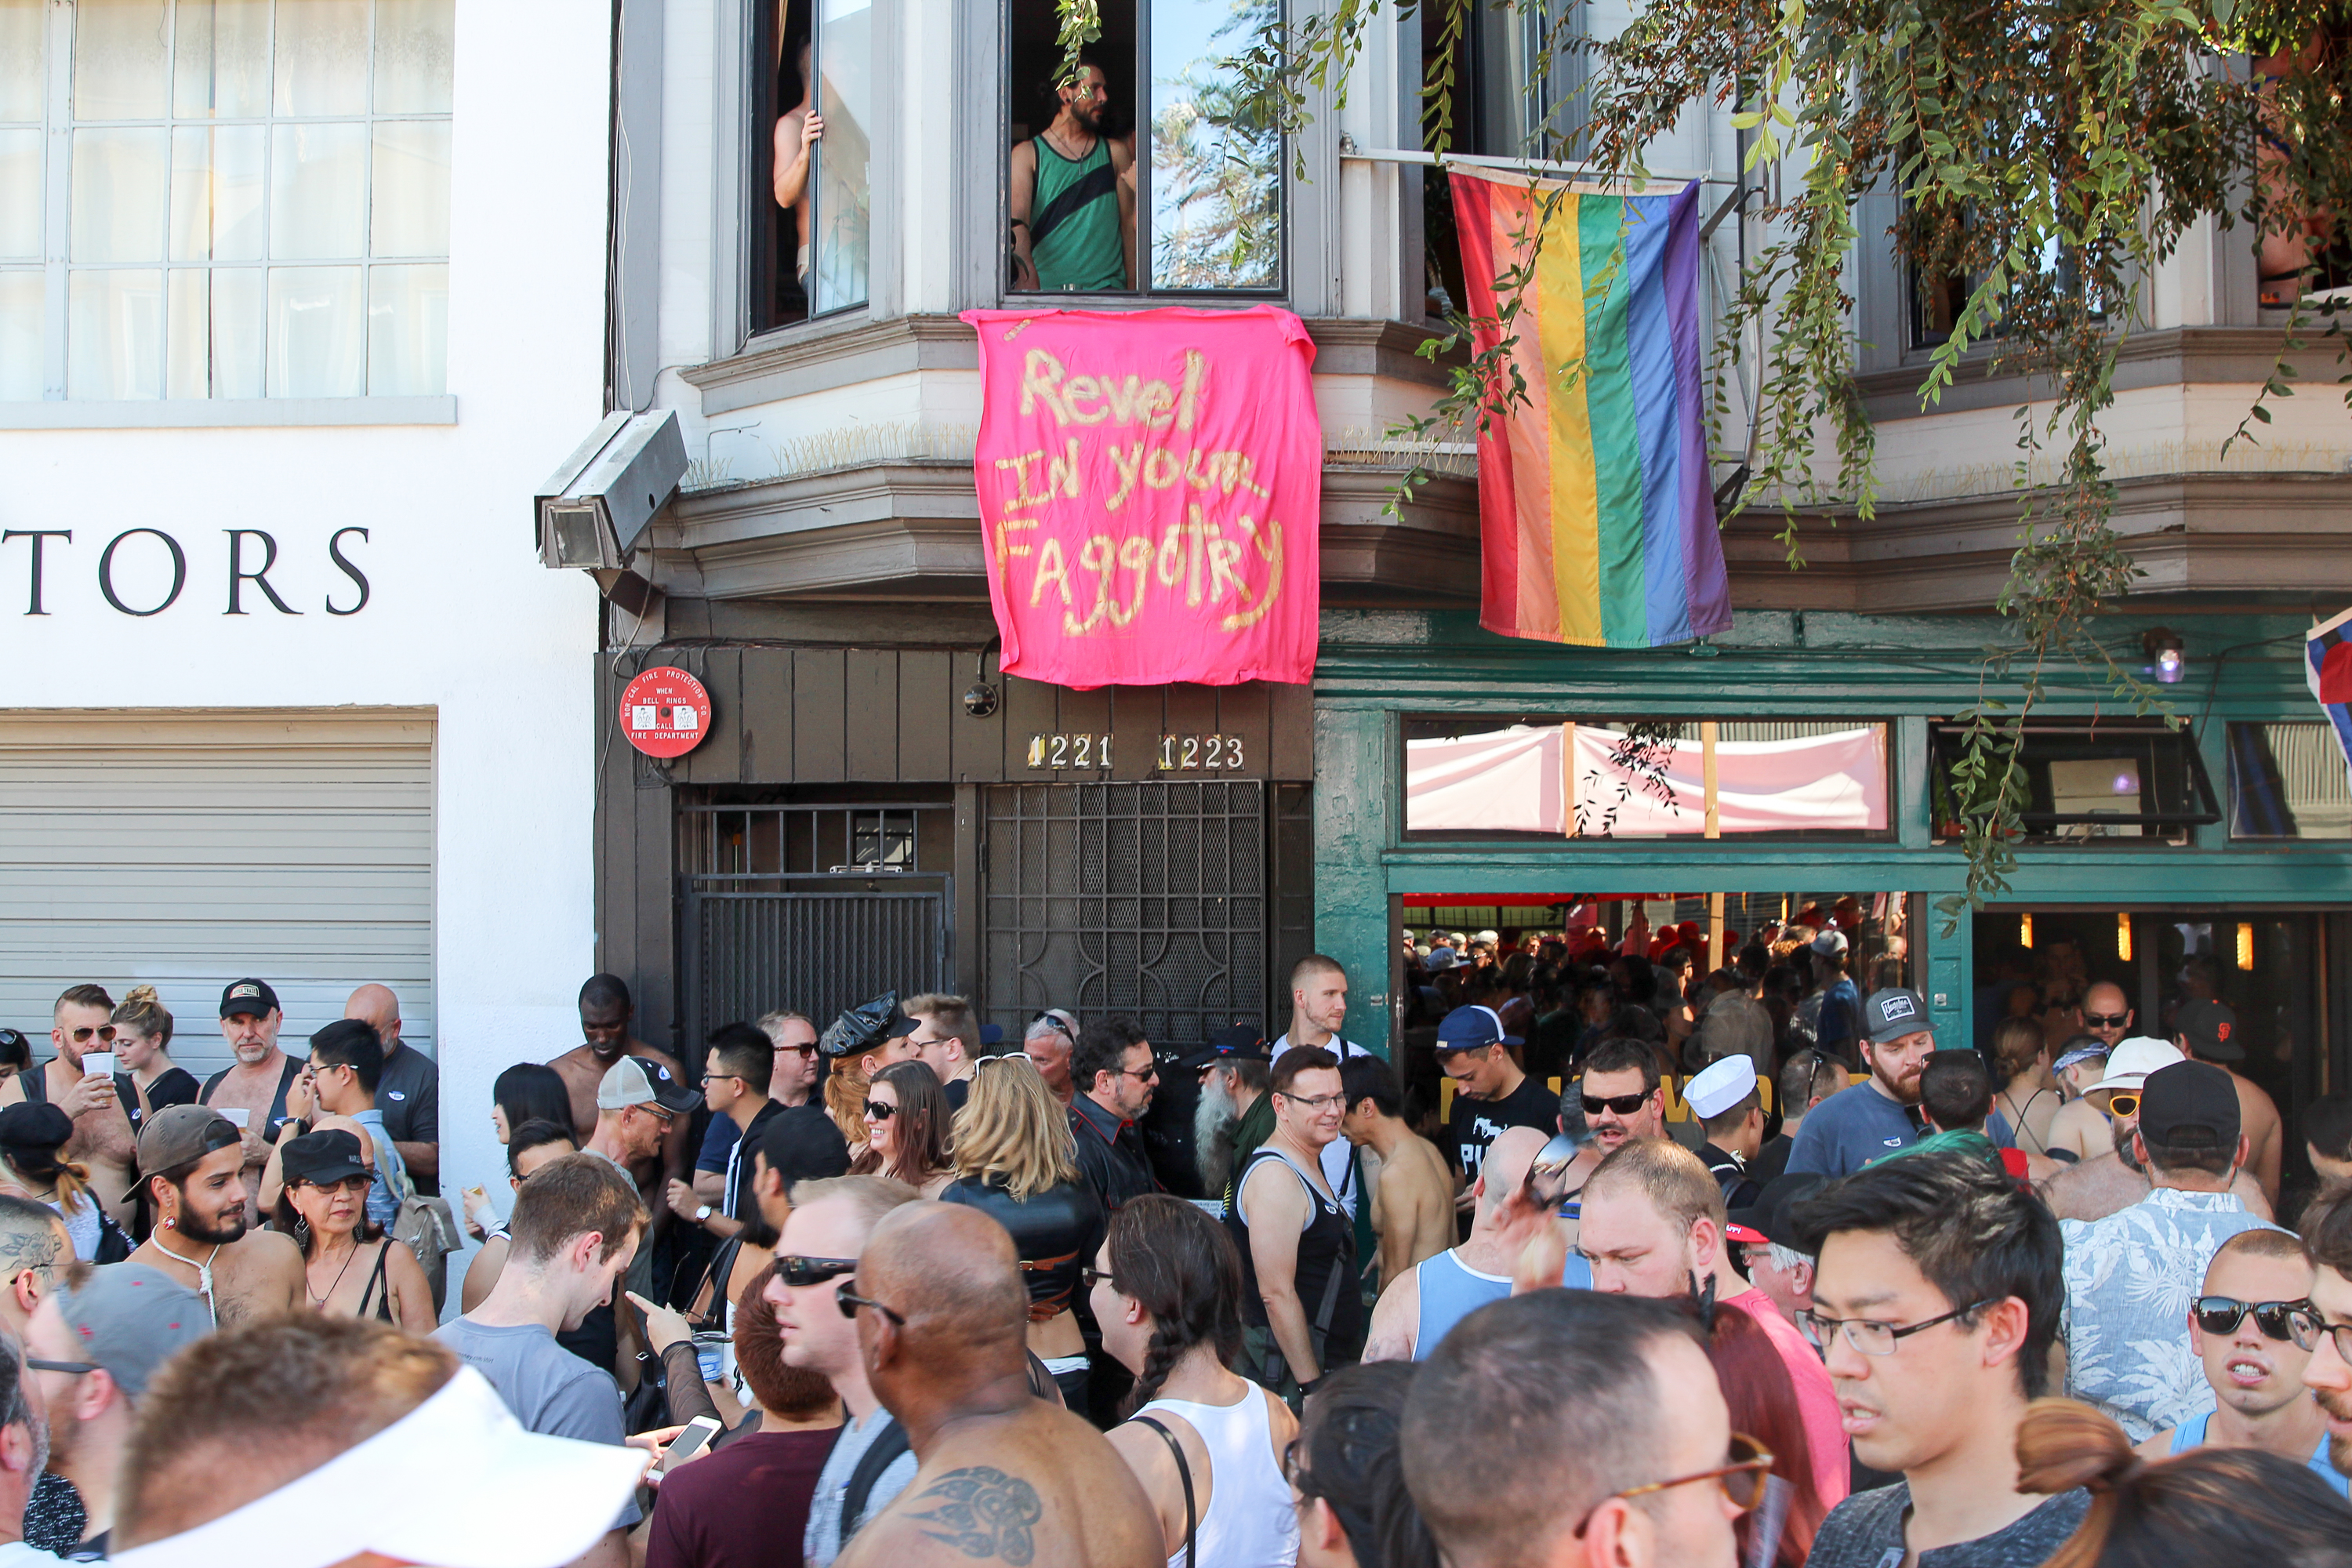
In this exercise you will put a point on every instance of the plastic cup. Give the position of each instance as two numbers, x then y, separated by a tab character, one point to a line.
98	1062
239	1116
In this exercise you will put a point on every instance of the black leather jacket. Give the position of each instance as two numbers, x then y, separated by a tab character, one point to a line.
1057	1232
1110	1154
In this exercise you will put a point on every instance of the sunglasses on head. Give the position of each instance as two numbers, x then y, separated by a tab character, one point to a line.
800	1273
1054	1020
1623	1104
879	1111
2290	1322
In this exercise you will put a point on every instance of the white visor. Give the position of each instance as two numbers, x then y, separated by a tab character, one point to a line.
502	1497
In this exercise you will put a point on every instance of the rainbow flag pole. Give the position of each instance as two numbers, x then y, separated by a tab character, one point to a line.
1594	499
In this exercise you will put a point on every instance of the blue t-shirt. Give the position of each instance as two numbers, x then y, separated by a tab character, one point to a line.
2190	1433
1841	1007
717	1142
1849	1130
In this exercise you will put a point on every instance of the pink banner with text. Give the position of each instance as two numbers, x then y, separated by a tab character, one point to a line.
1152	483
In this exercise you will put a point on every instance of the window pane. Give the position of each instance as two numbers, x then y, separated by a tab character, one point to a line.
21	298
220	58
414	45
114	334
238	301
21	24
187	350
408	331
118	60
1216	157
121	178
217	193
2287	781
323	56
411	189
317	338
317	191
20	195
845	99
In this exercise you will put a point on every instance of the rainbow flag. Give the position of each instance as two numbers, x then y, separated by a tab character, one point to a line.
1596	507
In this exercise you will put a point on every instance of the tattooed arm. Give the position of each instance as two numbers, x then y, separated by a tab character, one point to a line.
974	1514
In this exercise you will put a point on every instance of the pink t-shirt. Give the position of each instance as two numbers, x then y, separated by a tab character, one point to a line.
1817	1405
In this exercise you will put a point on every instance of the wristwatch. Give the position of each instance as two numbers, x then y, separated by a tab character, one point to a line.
702	1214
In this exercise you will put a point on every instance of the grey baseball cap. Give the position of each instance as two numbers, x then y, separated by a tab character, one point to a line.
130	1319
1893	1013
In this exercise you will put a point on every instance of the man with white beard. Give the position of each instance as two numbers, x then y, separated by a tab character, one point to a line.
1233	1110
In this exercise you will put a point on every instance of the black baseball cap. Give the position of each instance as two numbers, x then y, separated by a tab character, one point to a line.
1769	1214
1235	1042
321	1159
2212	1030
2189	1105
249	997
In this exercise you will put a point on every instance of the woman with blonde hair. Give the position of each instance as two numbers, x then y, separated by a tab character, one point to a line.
844	1101
142	1046
906	1116
1017	1162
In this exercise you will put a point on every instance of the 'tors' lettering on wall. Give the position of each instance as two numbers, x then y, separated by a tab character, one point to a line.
145	571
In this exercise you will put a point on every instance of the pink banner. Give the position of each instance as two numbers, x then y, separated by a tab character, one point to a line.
1151	482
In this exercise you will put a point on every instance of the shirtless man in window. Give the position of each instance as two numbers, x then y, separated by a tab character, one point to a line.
797	134
1073	197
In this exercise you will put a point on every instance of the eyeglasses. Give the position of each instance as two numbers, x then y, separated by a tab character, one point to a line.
1089	1276
808	1050
879	1111
2121	1104
849	1303
1623	1104
77	1368
1315	1103
2294	1322
1869	1336
2107	1020
103	1031
2335	1332
800	1273
349	1183
1742	1480
710	1078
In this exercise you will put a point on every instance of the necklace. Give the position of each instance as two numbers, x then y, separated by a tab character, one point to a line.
320	1301
203	1273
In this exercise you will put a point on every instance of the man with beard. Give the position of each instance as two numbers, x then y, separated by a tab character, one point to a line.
606	1014
1073	196
1620	1093
192	1160
2328	1231
103	1137
24	1451
2126	1352
1876	1118
2253	1328
253	1092
1232	1111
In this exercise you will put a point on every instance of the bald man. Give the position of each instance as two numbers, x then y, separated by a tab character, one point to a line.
1419	1306
942	1325
409	1092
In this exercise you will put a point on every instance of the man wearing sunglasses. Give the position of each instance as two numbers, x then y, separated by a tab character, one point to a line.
102	1139
1937	1296
1878	1116
2126	1351
1566	1426
2254	1328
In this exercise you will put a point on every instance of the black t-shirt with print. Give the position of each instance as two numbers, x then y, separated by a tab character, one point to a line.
1476	1124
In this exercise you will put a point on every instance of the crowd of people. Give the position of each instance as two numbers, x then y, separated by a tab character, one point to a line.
898	1290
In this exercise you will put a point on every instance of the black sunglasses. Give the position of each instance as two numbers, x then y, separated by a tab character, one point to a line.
2107	1020
879	1111
849	1303
2291	1322
1623	1104
800	1273
76	1367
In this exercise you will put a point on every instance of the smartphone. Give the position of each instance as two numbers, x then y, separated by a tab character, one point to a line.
98	1062
691	1442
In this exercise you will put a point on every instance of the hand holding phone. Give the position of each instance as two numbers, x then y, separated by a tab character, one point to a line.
689	1444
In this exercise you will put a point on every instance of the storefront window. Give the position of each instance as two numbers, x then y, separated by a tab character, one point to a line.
1185	195
2288	780
1614	779
2088	781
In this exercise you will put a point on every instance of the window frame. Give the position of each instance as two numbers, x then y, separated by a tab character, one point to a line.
57	407
2177	828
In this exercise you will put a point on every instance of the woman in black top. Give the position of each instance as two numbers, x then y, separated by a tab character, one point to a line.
143	1049
1016	1160
352	1268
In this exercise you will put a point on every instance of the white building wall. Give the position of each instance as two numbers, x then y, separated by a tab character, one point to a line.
462	618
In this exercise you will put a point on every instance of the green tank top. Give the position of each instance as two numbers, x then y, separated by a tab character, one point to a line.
1074	220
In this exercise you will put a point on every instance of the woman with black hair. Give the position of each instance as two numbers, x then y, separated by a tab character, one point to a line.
1347	1475
525	1092
1167	1291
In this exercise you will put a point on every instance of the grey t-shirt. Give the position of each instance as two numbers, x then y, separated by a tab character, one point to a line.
1866	1532
551	1390
409	1095
823	1540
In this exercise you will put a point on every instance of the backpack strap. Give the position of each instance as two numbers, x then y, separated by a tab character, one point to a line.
889	1444
1184	1472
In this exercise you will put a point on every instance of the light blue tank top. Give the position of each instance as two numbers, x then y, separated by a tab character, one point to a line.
2190	1433
1449	1293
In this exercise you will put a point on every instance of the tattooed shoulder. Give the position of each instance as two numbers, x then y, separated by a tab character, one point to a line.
982	1513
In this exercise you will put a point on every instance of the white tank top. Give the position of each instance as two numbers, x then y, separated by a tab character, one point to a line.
1250	1522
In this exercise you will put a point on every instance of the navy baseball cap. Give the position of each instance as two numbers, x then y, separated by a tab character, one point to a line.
1471	1028
1236	1042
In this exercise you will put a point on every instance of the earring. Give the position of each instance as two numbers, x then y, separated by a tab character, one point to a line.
170	1223
302	1233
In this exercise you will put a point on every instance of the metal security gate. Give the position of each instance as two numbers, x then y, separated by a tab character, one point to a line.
1146	898
811	908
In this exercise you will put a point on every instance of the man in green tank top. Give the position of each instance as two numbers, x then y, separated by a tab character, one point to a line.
1073	197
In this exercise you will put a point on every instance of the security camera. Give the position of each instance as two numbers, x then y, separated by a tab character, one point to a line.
593	511
979	701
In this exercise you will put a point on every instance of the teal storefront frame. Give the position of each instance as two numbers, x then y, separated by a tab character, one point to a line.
1377	667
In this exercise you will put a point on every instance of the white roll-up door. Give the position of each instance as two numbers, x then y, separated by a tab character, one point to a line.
186	849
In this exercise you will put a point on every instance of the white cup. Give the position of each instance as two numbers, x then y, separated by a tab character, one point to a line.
236	1114
98	1062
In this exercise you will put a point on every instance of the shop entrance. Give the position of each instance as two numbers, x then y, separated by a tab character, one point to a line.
2270	966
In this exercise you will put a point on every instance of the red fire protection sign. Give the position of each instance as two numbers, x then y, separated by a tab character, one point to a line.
664	713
